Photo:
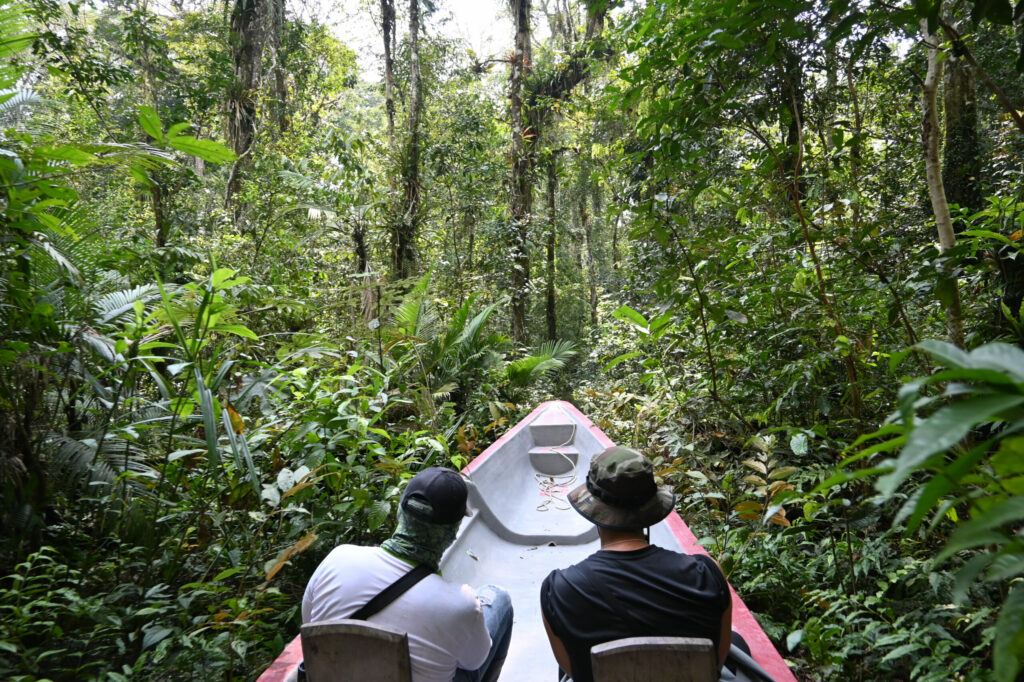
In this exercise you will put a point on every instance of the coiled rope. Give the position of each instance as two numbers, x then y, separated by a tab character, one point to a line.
553	487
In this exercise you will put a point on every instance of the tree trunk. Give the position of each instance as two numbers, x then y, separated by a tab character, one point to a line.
280	82
961	165
369	289
156	194
387	10
404	237
948	287
247	38
591	261
856	147
792	96
471	229
521	190
550	312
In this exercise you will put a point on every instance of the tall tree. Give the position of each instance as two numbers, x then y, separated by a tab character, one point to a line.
403	244
949	288
521	184
387	11
552	242
277	29
247	36
961	162
531	104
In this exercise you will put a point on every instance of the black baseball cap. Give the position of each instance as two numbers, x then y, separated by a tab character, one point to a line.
437	495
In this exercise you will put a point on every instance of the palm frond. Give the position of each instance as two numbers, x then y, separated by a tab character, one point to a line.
444	390
552	355
457	325
14	102
44	243
117	305
15	36
82	462
470	340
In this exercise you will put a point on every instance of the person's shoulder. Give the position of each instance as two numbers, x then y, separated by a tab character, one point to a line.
571	573
353	551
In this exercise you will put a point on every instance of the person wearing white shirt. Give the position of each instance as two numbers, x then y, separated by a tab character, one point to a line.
455	633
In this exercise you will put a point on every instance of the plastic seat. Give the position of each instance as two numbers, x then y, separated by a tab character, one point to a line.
353	651
666	659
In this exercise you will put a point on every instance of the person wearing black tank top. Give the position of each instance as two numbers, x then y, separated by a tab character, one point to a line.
630	588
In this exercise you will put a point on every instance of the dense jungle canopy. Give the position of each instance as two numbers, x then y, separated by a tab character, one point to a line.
250	281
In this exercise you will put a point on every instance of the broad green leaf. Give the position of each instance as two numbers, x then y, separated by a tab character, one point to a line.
798	444
66	152
1008	649
968	573
727	39
1002	357
207	150
150	122
941	431
941	485
884	446
961	541
227	573
901	651
627	314
987	234
1008	565
140	176
621	358
153	635
991	376
237	330
378	514
1009	459
219	276
847	476
177	128
1009	510
946	353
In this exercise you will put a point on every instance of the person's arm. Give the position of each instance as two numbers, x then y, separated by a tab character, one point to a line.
725	633
558	649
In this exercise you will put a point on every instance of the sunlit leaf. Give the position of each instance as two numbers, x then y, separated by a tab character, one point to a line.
207	150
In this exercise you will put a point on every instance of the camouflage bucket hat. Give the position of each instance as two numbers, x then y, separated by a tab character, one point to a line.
620	492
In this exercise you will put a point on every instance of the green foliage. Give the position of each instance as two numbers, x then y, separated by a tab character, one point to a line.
966	456
197	401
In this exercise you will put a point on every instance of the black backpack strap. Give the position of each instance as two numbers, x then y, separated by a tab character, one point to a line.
392	592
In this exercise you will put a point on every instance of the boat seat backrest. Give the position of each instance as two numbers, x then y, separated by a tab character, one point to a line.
349	650
666	659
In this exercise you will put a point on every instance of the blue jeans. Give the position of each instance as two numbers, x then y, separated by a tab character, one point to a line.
497	607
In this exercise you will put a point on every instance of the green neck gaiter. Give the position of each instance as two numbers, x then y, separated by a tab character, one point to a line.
418	541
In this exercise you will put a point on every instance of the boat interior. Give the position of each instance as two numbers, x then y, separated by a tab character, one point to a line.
523	527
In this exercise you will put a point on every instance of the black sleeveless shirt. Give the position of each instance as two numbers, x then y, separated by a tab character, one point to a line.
640	593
